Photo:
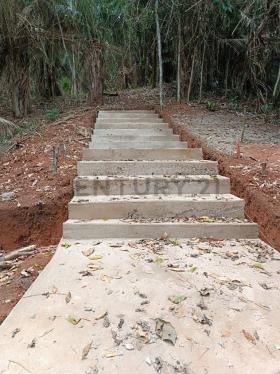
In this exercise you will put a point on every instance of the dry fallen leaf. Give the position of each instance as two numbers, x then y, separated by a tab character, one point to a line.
68	298
73	319
112	354
164	236
206	219
177	270
54	290
165	331
249	337
158	260
32	344
86	350
101	316
87	252
15	332
177	299
94	267
95	257
105	278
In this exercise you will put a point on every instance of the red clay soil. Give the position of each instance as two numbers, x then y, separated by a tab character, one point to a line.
260	189
39	207
14	283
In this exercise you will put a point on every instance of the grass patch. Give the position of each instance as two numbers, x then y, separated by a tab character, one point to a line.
26	128
52	114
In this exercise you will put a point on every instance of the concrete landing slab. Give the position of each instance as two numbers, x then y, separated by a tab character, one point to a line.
106	316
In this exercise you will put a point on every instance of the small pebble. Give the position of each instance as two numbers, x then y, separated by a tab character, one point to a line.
129	346
148	361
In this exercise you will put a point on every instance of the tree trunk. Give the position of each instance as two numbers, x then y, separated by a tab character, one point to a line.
96	73
159	55
74	76
275	90
179	64
202	72
191	77
226	76
154	64
48	85
20	93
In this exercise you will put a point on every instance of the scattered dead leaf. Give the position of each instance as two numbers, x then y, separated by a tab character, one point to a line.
178	270
73	319
166	331
101	316
88	252
251	338
95	257
177	299
86	350
68	298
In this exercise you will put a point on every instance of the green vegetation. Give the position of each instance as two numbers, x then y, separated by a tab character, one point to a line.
13	130
211	106
50	48
52	114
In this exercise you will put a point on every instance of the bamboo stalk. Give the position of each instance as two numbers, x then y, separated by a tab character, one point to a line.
159	55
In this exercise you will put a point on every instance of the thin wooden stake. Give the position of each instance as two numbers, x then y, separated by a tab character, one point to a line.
55	158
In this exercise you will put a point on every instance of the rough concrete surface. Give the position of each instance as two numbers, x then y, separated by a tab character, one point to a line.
105	307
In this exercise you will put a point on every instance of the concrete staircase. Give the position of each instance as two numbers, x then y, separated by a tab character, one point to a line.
138	180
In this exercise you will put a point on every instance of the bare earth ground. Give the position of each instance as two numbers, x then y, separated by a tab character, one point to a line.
15	281
36	212
149	306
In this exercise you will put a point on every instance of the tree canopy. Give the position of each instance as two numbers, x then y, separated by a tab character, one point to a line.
52	47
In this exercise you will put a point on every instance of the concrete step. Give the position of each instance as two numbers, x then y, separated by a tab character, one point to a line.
111	114
155	206
151	184
120	112
131	125
140	111
100	229
135	138
128	115
142	154
134	168
135	132
115	121
126	111
137	144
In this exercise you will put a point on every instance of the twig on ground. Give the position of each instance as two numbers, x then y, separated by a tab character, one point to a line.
25	251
